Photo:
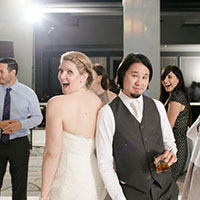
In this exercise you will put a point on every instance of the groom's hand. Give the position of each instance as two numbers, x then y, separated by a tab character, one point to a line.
170	157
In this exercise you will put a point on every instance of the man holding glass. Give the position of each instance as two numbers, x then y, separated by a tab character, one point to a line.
131	131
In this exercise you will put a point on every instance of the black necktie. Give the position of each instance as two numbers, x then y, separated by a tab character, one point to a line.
6	113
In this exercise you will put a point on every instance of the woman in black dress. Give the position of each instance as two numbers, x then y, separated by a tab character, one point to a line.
176	101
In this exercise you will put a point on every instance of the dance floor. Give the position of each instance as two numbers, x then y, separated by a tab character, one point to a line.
34	179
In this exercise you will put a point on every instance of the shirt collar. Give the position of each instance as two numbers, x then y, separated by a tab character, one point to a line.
14	86
127	100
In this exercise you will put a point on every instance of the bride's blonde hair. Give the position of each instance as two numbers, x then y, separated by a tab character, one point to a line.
82	62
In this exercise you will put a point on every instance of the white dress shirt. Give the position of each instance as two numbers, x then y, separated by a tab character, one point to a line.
24	107
195	137
104	142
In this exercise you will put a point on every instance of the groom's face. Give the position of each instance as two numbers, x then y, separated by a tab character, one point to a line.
136	80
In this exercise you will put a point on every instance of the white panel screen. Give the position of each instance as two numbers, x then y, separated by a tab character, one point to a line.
190	66
99	60
167	60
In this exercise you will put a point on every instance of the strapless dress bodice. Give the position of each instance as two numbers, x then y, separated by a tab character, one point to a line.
77	176
78	144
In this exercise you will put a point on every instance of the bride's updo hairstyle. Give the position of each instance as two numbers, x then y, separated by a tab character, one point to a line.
82	63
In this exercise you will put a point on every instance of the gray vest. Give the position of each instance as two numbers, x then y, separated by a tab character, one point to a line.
135	145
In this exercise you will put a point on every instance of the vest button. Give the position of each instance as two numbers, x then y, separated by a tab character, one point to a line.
141	126
145	139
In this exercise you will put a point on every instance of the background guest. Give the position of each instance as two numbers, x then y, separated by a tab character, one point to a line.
175	99
19	111
100	85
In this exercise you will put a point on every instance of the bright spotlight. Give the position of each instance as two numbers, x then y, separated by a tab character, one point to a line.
34	13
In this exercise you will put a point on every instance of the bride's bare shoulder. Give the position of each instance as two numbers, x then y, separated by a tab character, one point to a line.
95	100
55	101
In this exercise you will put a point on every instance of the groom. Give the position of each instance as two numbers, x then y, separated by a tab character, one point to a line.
130	136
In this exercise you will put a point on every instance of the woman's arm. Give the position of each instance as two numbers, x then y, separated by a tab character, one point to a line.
53	145
174	108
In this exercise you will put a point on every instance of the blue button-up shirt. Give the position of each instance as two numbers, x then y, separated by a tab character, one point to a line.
24	107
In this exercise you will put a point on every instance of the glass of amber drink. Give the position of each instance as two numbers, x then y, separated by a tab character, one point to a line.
161	165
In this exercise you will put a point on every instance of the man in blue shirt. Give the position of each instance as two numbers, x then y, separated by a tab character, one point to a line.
24	113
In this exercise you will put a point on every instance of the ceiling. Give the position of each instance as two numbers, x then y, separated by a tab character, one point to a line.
180	5
188	11
165	4
180	19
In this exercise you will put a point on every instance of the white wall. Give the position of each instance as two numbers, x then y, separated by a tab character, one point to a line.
14	27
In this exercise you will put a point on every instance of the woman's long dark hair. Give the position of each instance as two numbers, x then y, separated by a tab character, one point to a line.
101	71
164	95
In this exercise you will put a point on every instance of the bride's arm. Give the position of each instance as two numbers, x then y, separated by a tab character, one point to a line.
53	146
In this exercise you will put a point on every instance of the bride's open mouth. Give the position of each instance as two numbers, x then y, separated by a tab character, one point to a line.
65	85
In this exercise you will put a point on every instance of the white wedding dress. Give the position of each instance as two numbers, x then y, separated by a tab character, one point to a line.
77	177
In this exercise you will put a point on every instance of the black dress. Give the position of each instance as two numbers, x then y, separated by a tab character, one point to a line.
179	130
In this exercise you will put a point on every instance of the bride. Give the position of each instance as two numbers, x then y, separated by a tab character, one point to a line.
69	168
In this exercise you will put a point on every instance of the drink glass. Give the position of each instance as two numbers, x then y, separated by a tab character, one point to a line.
161	165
